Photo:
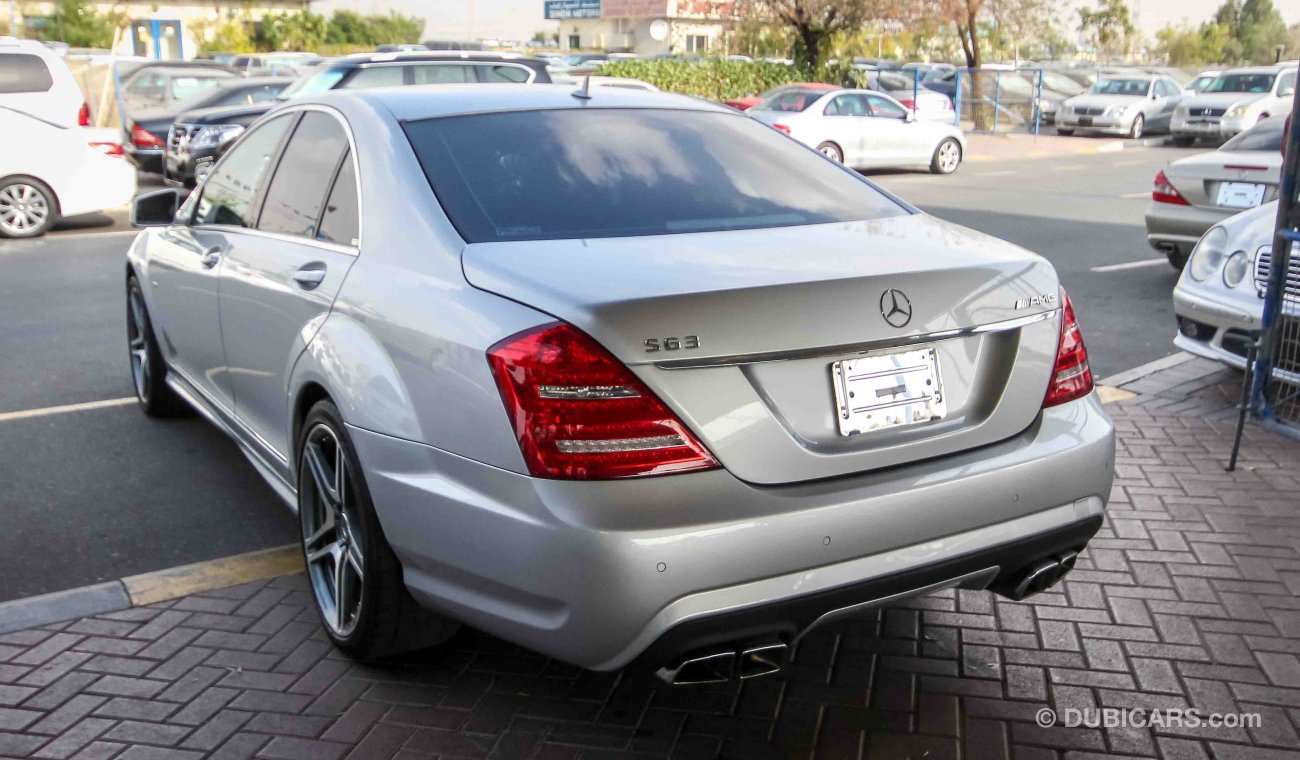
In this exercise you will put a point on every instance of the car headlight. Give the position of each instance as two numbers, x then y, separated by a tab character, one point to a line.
1234	271
1238	112
216	135
1208	254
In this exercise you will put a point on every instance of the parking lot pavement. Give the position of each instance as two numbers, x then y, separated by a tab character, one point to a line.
1184	602
1085	214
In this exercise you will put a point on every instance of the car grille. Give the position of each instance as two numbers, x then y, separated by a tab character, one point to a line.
1264	264
181	134
1204	112
1089	111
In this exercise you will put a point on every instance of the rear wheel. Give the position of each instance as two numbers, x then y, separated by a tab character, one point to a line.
1177	259
354	575
1184	141
831	151
1064	132
947	157
28	207
1136	128
148	370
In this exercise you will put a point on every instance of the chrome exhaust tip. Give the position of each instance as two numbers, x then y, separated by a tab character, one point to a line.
711	668
761	661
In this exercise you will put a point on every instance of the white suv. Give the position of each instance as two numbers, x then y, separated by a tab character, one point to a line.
1234	102
36	81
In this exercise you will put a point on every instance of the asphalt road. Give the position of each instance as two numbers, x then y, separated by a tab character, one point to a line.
94	495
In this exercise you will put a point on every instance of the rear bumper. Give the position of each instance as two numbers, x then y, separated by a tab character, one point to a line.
1182	226
595	573
148	160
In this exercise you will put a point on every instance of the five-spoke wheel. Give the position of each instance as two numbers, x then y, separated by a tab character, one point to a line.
331	530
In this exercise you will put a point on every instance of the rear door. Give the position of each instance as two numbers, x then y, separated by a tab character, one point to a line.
284	277
843	121
186	262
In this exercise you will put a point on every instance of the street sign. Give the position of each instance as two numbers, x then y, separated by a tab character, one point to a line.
567	9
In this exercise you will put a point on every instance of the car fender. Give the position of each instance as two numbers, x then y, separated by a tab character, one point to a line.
352	366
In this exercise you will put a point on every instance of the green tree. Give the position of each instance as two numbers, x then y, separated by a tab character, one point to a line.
1109	25
301	30
228	36
813	23
77	23
1260	31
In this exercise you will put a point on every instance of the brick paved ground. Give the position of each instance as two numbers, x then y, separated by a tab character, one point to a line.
1186	599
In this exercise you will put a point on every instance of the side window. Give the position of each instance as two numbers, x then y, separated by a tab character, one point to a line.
264	94
886	108
21	72
342	220
503	73
229	193
376	76
297	191
443	73
1285	82
846	105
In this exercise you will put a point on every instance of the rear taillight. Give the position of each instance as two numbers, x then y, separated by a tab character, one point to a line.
83	115
579	414
1071	377
1163	192
908	104
141	138
781	128
108	148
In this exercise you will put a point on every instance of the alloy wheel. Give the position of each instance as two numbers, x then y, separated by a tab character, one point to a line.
23	208
949	157
136	330
831	152
331	530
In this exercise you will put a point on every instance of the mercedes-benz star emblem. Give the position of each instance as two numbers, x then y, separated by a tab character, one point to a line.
895	308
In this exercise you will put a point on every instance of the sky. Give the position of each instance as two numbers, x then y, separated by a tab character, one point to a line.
518	19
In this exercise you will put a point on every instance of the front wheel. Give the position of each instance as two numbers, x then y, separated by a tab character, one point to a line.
831	151
28	208
1064	132
354	576
947	157
1177	259
1135	130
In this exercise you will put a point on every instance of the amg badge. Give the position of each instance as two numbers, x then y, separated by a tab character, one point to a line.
1046	299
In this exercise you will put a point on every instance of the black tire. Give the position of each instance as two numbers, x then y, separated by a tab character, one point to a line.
1064	132
1177	259
148	368
22	194
1137	128
387	620
831	151
942	161
1184	141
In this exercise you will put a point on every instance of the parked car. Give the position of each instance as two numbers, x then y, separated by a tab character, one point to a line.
273	64
35	80
1199	82
147	129
1129	105
863	129
1234	102
60	171
746	103
374	294
920	99
1193	194
400	48
159	85
197	138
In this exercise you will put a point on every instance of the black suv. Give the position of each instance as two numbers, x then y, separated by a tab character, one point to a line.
198	138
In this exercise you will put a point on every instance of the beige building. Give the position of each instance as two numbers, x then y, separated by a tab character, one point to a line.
645	27
163	29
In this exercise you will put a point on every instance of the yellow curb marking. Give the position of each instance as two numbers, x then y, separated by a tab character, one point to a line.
176	582
30	413
1110	395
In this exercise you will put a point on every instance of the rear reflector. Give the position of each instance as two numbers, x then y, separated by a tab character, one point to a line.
1071	377
579	414
1244	168
781	128
1163	192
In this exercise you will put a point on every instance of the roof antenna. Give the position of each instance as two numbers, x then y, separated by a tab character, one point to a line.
585	92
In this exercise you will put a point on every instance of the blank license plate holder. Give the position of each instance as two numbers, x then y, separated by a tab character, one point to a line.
887	390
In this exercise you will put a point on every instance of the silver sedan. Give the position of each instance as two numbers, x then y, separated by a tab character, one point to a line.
1129	105
618	376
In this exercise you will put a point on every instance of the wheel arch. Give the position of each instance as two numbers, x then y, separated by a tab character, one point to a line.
54	194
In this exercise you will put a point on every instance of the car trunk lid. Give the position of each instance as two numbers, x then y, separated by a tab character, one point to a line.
1228	181
739	331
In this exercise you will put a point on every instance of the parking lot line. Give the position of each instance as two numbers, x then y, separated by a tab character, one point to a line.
65	409
1130	265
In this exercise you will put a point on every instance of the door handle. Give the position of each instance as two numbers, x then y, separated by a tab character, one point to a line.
308	279
211	257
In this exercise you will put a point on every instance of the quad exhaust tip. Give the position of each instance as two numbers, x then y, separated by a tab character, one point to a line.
721	667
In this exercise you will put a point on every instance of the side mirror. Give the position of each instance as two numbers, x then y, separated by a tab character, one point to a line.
157	208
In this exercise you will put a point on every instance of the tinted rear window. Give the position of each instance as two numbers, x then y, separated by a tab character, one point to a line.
540	175
791	100
20	72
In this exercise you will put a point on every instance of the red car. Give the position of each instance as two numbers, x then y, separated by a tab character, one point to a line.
744	104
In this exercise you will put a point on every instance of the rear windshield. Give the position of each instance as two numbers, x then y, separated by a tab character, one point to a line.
790	100
542	175
22	72
1241	83
1266	135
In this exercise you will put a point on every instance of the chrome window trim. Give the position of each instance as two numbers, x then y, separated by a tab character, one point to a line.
352	250
858	348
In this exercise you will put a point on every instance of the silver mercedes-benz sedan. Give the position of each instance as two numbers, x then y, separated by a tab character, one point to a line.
620	377
1129	105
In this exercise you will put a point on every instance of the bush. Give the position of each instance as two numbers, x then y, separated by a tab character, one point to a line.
302	30
351	28
720	79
